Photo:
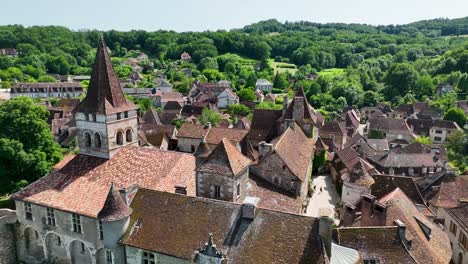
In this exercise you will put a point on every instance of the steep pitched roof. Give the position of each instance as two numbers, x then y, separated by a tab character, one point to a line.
264	124
114	207
216	134
436	249
81	184
104	94
225	159
389	125
385	184
452	192
295	149
151	117
270	237
332	127
189	130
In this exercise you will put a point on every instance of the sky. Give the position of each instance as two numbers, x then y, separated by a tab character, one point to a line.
201	15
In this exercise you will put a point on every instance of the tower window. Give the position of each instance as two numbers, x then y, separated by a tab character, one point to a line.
148	258
97	140
126	114
119	138
50	217
101	231
217	191
119	116
76	221
28	211
128	135
87	139
86	117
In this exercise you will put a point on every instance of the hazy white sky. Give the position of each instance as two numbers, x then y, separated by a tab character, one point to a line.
200	15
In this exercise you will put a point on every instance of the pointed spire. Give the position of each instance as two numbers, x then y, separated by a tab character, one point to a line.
114	207
104	96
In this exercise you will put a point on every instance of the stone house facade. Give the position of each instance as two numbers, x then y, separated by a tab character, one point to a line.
263	85
455	225
46	90
227	98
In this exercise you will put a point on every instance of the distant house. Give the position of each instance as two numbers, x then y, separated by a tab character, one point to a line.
205	94
405	110
334	132
8	52
172	107
142	57
227	98
61	78
187	72
185	56
79	78
135	77
224	83
160	99
388	128
444	88
163	85
437	130
263	85
138	92
44	90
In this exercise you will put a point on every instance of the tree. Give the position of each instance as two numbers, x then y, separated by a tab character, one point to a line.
27	148
400	78
238	110
457	115
369	98
424	87
423	140
280	81
269	105
246	94
209	116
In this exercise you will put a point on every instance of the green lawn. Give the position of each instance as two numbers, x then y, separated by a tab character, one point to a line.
332	72
282	67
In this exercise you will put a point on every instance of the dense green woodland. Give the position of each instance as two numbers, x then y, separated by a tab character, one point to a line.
358	65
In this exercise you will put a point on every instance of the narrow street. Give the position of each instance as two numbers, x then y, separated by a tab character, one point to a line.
327	198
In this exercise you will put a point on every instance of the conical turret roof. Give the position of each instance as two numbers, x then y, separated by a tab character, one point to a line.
104	96
114	207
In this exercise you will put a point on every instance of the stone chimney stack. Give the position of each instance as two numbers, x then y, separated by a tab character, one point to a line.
401	233
298	110
349	214
264	148
248	208
374	213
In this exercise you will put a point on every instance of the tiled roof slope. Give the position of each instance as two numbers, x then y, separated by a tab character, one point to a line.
295	149
271	237
82	184
114	207
461	215
264	124
434	250
385	184
225	159
452	192
104	96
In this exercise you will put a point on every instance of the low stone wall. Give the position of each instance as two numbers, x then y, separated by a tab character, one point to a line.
7	236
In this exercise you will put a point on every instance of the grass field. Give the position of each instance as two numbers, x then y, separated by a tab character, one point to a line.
332	72
282	67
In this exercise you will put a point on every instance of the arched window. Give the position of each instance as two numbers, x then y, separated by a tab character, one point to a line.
97	140
128	135
119	138
87	139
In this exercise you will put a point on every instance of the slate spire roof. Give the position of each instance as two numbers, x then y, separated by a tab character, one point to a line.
114	207
104	96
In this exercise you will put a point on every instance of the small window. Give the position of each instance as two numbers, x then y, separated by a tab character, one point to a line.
424	170
126	114
438	131
87	139
28	211
76	221
238	190
437	139
119	138
50	217
83	248
148	258
128	135
217	191
453	228
86	117
109	257
59	241
463	240
119	116
94	118
97	140
101	231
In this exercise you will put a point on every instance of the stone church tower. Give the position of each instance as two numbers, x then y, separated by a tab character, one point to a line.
105	119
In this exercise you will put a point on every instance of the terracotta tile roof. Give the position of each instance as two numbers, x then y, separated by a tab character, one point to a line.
166	118
434	250
151	117
191	110
189	130
407	160
150	129
216	134
385	184
264	125
423	126
348	157
114	207
295	149
104	94
309	112
225	159
375	243
414	148
461	215
170	96
243	123
334	128
271	237
389	125
272	198
360	173
82	184
172	105
452	192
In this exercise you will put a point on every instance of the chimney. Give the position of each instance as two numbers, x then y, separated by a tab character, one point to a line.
248	208
401	234
180	190
349	214
379	214
367	206
264	148
285	104
298	110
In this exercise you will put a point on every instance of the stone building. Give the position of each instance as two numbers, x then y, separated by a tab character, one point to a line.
286	162
437	130
263	85
79	211
357	181
224	174
389	128
46	90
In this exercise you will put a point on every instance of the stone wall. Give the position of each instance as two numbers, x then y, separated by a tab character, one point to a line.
189	145
7	236
206	185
